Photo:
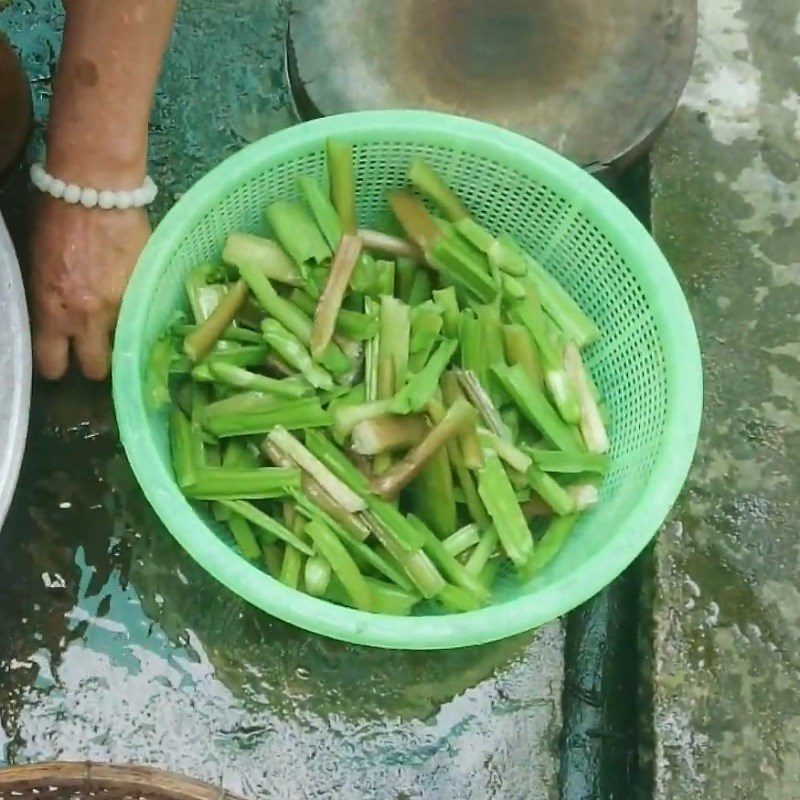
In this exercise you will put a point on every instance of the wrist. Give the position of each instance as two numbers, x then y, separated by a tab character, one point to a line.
102	159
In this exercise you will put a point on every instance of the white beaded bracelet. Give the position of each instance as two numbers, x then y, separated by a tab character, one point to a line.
102	198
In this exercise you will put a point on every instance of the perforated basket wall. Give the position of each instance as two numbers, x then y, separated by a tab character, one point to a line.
646	363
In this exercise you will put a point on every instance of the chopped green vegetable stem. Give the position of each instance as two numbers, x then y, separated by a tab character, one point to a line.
330	301
388	485
199	343
343	183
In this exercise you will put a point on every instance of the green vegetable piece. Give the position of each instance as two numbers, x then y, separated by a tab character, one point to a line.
548	547
291	414
415	395
500	500
291	350
449	565
322	209
346	570
550	491
216	483
458	600
243	536
317	576
182	447
425	180
298	234
535	407
559	304
462	539
343	183
386	599
483	551
239	378
572	461
262	254
352	324
267	524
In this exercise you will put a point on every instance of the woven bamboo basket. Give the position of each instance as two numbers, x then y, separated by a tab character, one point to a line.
83	780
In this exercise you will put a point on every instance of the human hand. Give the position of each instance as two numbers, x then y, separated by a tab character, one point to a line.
82	259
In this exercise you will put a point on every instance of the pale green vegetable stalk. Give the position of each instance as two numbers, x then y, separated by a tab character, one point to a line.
572	461
263	254
556	497
243	536
395	332
292	414
419	568
292	318
199	343
387	434
425	179
548	547
182	447
266	523
447	300
562	390
216	483
322	209
362	553
484	550
448	564
292	566
386	599
291	349
493	351
520	349
272	556
426	325
433	498
500	500
468	440
388	485
462	539
203	297
390	245
507	451
298	234
333	293
457	600
479	398
316	494
422	386
327	544
421	288
404	274
316	576
535	406
442	252
239	378
528	312
371	354
343	183
584	495
246	356
473	502
591	422
336	488
560	305
352	324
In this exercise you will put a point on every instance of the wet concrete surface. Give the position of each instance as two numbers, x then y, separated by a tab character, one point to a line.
115	646
726	624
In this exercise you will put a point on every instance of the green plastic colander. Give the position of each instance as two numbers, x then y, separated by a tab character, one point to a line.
646	364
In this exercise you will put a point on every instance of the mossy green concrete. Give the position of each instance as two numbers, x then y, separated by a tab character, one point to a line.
726	624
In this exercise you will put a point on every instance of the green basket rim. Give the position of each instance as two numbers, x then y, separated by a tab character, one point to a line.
673	458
